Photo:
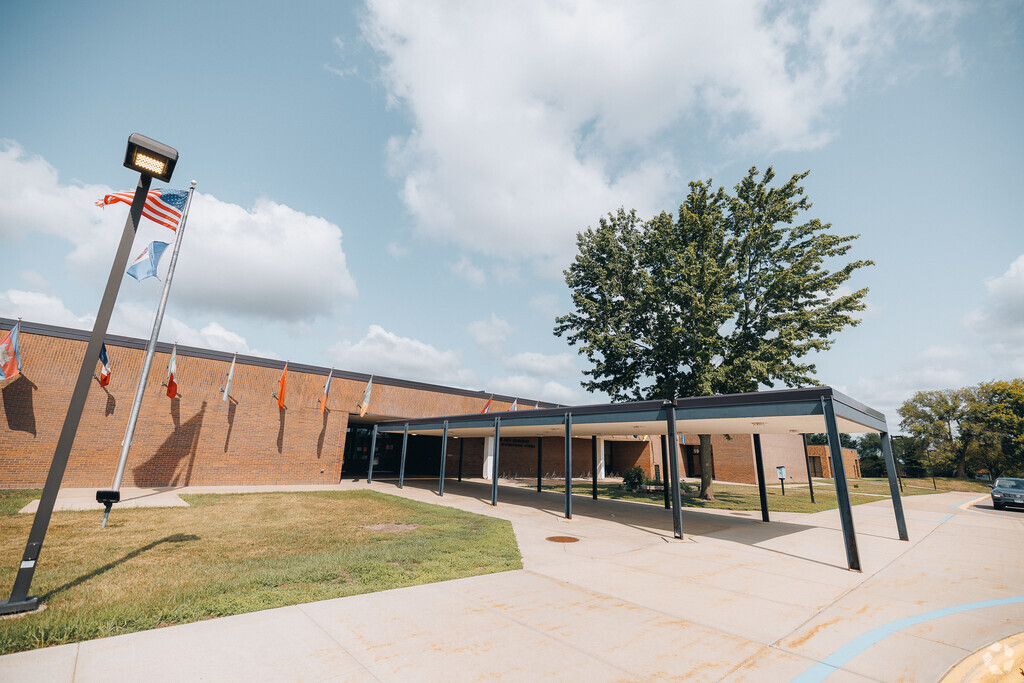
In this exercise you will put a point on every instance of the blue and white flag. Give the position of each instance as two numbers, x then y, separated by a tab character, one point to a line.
145	264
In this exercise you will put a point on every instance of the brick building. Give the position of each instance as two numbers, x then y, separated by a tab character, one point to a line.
198	438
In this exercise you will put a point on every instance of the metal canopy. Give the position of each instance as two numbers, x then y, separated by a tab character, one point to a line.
786	411
810	410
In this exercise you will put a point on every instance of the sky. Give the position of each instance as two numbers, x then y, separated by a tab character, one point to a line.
395	187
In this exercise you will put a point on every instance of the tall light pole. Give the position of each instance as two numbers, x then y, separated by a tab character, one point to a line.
151	159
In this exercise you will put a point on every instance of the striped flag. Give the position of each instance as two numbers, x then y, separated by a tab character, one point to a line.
365	403
487	408
280	391
105	370
231	374
515	405
10	356
172	369
162	206
327	391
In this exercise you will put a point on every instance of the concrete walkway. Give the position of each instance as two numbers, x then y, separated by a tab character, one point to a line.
736	600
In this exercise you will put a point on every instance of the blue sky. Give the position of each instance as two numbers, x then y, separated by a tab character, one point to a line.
395	187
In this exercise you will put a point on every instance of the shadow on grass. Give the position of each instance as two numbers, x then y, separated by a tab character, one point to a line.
174	538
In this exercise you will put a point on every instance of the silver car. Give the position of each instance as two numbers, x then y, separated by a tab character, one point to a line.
1007	491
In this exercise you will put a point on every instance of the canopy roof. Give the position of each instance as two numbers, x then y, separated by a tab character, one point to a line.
786	411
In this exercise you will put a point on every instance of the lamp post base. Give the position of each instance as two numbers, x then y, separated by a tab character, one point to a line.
29	604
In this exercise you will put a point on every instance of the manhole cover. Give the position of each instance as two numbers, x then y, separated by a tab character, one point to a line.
562	539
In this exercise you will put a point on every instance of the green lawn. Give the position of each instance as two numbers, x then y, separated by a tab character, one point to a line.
797	498
229	554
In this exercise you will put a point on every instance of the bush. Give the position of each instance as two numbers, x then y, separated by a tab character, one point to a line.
634	477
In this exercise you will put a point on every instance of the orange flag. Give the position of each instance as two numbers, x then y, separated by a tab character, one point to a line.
280	392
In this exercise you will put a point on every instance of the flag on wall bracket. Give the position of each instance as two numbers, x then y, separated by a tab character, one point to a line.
364	405
105	370
327	391
515	405
231	374
172	369
280	391
10	356
487	408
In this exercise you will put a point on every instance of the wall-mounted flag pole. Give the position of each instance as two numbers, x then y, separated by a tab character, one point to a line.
365	403
10	356
105	370
280	391
231	374
114	494
327	391
172	370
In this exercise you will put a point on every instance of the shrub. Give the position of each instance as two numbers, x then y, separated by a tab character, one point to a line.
634	477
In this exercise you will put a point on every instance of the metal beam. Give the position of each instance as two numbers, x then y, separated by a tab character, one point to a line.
807	461
494	461
373	453
677	501
462	449
894	488
593	464
444	460
401	468
568	465
842	490
762	491
664	470
540	461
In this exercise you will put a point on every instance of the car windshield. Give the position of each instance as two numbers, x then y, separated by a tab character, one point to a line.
1010	484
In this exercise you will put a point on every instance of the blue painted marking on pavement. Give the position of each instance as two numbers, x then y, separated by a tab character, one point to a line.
837	659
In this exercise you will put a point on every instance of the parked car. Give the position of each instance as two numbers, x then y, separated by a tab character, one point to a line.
1007	491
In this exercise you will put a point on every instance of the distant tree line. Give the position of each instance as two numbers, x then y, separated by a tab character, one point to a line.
952	433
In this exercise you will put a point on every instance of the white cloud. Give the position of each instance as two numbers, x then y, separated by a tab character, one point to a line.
396	250
541	365
268	262
468	272
385	353
41	308
490	334
998	324
513	150
546	305
535	388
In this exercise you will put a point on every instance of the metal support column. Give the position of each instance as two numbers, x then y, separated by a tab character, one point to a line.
842	492
462	449
401	467
373	455
894	488
540	461
761	490
807	461
664	471
494	461
20	600
673	463
593	463
568	465
444	459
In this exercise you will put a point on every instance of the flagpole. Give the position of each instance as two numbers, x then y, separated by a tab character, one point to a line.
114	494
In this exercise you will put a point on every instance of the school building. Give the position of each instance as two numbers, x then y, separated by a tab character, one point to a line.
202	437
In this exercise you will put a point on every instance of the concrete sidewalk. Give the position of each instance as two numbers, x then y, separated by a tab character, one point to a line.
737	599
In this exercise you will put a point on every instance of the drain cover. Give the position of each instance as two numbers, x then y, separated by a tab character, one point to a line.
562	539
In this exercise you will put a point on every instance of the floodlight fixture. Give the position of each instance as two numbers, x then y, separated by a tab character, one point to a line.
149	157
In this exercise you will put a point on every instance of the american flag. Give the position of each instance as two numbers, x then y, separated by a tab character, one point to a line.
162	206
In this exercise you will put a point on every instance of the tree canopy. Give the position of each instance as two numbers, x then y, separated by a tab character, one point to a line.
729	295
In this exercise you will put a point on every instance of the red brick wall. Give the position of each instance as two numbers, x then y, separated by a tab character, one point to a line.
196	438
851	464
786	450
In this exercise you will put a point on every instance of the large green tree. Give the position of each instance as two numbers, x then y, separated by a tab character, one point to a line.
728	296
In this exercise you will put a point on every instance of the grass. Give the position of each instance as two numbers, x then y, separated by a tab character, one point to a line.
229	554
797	498
12	500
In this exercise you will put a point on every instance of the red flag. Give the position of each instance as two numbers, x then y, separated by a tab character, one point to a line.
280	392
105	370
487	407
172	367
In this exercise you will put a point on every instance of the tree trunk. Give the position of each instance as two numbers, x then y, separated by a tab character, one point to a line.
706	466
